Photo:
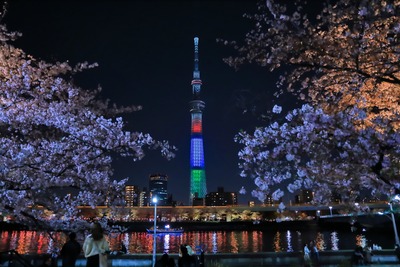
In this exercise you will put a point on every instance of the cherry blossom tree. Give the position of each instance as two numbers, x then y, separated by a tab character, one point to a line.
327	153
57	141
347	56
344	63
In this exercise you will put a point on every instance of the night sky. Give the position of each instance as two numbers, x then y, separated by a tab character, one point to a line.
145	54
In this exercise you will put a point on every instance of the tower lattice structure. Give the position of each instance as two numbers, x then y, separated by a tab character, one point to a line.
198	188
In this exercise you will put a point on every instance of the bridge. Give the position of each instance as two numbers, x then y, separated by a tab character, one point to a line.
254	212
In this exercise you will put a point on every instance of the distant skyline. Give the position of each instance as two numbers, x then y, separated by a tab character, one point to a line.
145	54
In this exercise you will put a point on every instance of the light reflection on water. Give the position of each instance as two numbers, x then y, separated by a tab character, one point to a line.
335	241
361	240
289	241
214	242
277	242
320	242
25	242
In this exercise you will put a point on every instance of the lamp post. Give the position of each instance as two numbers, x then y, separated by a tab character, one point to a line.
330	209
154	231
396	236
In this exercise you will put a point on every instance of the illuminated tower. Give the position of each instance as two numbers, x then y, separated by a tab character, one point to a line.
198	188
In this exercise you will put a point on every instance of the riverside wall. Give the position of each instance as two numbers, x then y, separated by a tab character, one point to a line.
327	258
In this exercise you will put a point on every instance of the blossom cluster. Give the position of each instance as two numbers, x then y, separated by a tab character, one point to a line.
57	141
344	63
326	153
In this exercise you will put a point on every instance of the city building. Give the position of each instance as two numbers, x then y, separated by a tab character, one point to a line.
335	198
198	188
306	196
158	186
144	198
198	201
269	200
131	195
221	198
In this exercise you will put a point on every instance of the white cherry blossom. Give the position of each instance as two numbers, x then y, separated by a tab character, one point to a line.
57	141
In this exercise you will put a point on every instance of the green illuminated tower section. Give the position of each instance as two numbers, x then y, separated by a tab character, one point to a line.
198	188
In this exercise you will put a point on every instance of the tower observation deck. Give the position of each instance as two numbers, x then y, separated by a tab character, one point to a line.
198	188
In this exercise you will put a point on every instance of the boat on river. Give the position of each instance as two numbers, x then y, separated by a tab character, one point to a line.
166	230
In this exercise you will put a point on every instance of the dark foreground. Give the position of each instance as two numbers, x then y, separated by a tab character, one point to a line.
327	258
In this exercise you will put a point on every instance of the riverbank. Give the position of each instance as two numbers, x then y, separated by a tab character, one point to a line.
369	223
141	226
267	259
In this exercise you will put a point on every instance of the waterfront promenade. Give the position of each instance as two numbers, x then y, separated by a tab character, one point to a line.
340	258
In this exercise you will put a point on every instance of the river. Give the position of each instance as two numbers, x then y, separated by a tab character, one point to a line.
34	242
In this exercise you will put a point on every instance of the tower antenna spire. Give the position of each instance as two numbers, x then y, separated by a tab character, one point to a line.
196	82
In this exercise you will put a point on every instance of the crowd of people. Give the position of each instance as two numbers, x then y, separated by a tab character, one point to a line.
96	248
187	258
362	256
311	255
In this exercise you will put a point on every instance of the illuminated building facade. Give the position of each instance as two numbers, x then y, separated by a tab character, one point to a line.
306	196
131	195
221	198
144	198
158	186
198	188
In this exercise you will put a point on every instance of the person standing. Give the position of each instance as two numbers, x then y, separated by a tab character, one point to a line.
70	251
163	261
96	247
306	256
314	254
185	260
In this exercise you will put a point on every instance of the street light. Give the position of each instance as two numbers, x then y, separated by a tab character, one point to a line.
396	236
330	209
154	231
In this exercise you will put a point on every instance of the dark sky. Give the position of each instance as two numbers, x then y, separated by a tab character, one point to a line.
145	53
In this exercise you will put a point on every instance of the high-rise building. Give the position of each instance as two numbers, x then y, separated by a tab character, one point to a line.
158	185
131	195
198	188
221	198
144	198
306	196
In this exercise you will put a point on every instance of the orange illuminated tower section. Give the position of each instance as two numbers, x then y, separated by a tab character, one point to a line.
198	188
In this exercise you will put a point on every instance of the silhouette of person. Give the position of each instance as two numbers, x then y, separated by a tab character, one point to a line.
358	256
163	261
46	261
171	262
70	251
314	254
185	260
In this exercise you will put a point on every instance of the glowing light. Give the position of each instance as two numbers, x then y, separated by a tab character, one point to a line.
198	177
335	241
289	241
214	243
166	243
196	127
197	182
320	242
196	123
197	155
361	241
277	242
